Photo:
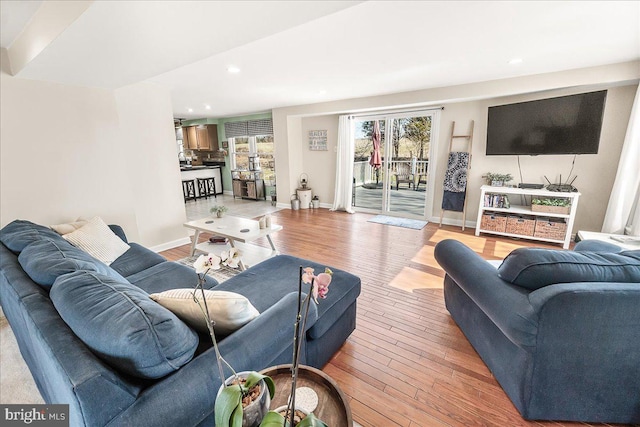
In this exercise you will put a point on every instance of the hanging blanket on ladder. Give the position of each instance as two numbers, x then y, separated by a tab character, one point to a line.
455	182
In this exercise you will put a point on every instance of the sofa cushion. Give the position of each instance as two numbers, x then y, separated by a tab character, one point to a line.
68	227
135	260
534	268
122	325
168	275
19	234
97	239
45	260
230	311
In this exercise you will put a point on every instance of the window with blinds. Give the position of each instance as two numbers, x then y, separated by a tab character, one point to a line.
251	138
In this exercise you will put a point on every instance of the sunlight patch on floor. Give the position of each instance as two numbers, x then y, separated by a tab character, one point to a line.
410	279
475	243
425	257
503	249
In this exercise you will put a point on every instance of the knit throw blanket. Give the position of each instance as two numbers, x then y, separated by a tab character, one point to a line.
455	182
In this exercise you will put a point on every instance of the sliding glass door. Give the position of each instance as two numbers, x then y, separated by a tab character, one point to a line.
395	178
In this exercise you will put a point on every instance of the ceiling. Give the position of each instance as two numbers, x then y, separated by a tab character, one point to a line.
303	52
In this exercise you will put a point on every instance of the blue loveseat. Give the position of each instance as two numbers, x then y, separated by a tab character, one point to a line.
559	330
172	379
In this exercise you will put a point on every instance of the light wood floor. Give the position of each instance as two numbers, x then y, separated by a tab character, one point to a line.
407	363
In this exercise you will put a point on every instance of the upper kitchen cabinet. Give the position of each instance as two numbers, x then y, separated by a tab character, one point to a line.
201	137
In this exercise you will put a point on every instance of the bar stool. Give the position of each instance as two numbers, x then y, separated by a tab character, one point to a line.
203	187
189	189
207	187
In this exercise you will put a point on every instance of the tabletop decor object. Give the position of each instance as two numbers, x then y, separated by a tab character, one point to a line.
219	210
319	287
241	402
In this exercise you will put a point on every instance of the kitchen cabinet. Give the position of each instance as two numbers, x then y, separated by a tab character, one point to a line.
201	137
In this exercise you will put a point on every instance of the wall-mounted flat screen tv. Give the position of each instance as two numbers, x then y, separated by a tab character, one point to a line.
564	125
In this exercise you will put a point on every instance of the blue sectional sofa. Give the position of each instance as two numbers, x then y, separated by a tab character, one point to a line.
559	330
49	289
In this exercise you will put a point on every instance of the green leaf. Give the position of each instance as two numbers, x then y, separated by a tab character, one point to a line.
273	419
226	403
311	421
236	416
254	378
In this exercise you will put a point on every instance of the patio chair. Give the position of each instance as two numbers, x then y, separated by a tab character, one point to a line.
403	175
422	179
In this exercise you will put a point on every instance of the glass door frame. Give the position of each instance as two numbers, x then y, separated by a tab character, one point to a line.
388	118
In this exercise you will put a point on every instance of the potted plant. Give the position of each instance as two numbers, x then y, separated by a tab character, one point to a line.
291	414
244	397
497	179
551	205
219	210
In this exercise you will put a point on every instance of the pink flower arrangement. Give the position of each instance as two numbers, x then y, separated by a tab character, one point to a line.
320	283
319	288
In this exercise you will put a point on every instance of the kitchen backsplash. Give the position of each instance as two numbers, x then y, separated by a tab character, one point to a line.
213	155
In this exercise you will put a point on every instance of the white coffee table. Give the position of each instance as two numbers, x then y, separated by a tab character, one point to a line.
240	232
633	243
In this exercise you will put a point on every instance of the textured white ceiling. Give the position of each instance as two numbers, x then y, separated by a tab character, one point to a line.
298	52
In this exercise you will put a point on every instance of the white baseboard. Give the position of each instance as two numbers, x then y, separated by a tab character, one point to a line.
455	222
171	245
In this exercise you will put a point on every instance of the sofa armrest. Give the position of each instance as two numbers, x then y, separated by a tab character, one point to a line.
119	231
588	337
505	304
187	396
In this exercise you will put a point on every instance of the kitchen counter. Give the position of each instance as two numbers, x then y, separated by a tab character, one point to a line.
195	168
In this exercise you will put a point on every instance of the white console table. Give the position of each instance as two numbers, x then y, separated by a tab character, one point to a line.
520	209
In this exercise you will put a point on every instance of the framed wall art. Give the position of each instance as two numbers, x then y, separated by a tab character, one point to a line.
318	140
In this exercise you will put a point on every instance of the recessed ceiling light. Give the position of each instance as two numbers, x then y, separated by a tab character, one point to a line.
322	92
233	70
515	61
207	107
190	110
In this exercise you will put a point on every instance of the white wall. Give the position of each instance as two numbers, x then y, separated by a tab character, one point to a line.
146	120
469	102
71	151
320	166
595	172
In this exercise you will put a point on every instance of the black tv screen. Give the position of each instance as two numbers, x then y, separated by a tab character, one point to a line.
564	125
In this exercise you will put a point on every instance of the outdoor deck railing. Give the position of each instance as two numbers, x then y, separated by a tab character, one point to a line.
364	173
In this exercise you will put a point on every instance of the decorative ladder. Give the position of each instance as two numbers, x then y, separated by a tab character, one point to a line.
469	140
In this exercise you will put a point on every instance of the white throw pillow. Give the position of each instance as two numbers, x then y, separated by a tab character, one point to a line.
229	311
63	229
97	239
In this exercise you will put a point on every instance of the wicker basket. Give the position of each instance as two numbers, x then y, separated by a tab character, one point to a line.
551	209
547	229
492	222
520	225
